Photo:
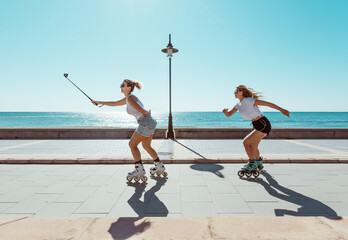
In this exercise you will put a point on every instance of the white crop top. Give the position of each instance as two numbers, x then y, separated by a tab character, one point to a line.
247	109
131	110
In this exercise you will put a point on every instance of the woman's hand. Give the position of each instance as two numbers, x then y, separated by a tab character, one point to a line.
95	102
225	111
285	112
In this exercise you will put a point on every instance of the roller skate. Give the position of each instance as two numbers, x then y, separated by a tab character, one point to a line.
249	169
138	174
259	163
159	170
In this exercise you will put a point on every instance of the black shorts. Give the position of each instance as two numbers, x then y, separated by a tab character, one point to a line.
262	125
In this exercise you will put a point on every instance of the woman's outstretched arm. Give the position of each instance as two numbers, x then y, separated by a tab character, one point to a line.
272	105
112	104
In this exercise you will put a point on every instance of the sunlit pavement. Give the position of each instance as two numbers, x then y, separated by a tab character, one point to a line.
190	190
178	151
94	201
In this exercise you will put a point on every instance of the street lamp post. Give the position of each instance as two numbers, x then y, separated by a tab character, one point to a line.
170	50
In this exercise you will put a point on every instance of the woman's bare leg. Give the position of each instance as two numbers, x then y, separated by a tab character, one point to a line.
251	142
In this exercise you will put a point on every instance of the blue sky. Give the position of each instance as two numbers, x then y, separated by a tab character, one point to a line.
295	52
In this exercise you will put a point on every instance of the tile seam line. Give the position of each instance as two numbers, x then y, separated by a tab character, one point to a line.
314	146
13	221
24	144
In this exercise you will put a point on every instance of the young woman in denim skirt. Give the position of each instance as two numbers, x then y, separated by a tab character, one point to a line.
143	134
248	109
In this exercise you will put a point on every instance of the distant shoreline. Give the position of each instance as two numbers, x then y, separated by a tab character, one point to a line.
180	119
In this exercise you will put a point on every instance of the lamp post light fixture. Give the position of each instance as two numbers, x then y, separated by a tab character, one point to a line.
170	50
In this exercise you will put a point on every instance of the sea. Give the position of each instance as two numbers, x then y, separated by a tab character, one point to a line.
180	119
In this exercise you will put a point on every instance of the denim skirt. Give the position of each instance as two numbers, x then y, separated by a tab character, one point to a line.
147	125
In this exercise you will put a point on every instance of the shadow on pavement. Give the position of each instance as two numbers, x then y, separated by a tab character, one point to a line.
126	227
309	206
214	168
175	140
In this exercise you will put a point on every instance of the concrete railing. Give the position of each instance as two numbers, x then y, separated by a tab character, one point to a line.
188	133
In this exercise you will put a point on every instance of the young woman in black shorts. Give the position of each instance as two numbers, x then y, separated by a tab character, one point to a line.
248	109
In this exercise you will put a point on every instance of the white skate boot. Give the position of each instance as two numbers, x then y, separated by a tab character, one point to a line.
137	174
159	170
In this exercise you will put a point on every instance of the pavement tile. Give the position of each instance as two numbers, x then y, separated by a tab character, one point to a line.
76	176
58	210
94	180
195	194
100	204
194	209
171	201
255	194
173	170
76	194
155	207
214	175
134	191
170	186
194	180
59	187
230	203
7	178
6	187
43	181
31	205
184	170
219	186
270	208
19	194
106	170
127	209
5	206
110	188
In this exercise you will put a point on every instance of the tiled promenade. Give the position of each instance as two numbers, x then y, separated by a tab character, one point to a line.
190	190
197	201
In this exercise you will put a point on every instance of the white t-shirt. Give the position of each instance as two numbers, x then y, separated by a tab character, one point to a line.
131	110
247	109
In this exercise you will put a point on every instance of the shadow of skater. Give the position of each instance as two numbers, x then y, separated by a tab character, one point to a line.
151	206
214	168
309	206
189	149
126	227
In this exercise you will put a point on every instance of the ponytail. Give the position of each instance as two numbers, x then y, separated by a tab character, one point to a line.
249	92
132	84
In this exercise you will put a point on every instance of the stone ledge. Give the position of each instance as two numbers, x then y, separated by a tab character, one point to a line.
180	133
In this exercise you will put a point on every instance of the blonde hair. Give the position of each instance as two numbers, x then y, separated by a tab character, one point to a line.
132	84
249	92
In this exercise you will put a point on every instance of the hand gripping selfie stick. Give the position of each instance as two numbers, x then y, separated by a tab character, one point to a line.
66	76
